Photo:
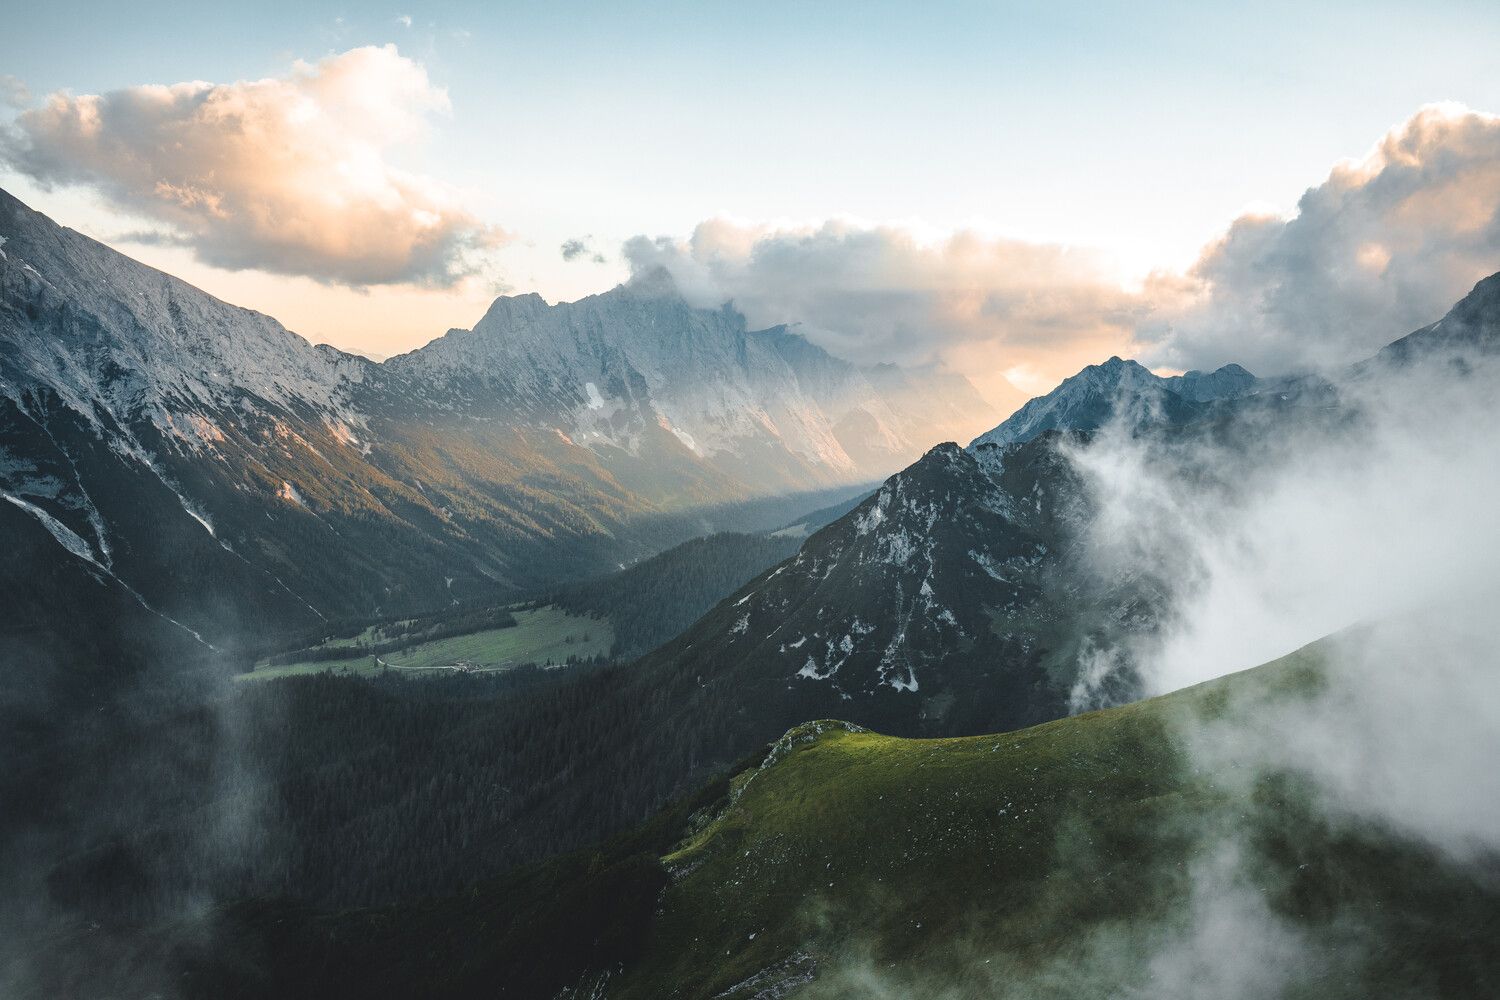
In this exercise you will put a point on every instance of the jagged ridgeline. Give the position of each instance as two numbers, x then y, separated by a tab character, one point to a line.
1077	859
223	473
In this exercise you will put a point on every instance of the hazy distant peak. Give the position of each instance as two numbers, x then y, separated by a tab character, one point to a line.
1222	383
508	308
654	282
1469	327
1117	368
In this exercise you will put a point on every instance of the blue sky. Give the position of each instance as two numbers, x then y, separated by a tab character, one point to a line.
1139	130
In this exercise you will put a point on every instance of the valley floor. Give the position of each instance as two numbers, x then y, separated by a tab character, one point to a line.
541	636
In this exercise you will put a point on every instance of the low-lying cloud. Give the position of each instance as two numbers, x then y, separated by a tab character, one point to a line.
1322	523
1373	520
291	175
883	293
1383	245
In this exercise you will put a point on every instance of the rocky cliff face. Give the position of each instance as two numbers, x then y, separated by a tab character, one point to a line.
639	371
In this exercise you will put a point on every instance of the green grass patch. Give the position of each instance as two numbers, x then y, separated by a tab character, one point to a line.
540	636
1046	862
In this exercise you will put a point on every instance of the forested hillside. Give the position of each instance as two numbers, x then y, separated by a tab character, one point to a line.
1072	860
657	598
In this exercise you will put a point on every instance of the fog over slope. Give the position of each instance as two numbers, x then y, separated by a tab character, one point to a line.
1378	526
1368	521
1386	511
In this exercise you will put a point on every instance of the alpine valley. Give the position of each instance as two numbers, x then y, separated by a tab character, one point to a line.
227	475
613	649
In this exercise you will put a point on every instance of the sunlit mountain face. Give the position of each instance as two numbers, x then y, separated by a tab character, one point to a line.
546	443
672	504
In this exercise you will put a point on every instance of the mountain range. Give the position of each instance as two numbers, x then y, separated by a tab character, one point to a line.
180	474
227	475
961	597
1118	388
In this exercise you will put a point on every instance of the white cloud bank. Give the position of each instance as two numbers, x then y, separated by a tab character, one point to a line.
290	174
1309	528
1382	246
885	293
295	175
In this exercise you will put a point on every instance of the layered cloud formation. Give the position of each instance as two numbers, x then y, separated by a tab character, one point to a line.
1383	245
884	293
298	175
290	175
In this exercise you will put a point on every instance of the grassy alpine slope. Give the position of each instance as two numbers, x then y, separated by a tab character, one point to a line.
1073	859
1085	857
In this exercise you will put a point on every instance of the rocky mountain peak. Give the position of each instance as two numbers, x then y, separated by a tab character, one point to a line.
507	311
1472	326
652	283
1094	396
108	334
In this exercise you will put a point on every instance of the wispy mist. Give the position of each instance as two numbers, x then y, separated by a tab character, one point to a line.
1314	795
1375	500
1369	517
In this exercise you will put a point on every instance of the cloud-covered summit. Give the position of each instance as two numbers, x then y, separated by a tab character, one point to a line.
884	293
289	174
